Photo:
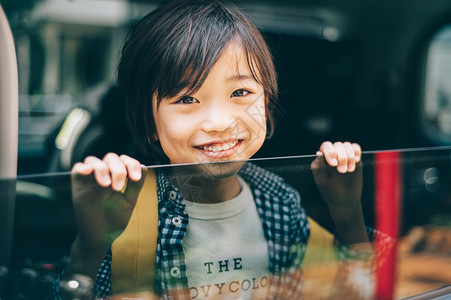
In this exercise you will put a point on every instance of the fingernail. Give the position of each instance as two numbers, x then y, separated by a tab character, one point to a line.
137	175
333	161
342	169
357	158
351	168
107	180
118	186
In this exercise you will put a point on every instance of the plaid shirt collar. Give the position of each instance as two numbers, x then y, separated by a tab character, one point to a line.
284	224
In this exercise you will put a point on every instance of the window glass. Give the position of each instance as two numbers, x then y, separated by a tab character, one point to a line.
437	93
405	203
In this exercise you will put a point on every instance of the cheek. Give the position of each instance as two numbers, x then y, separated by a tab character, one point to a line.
172	132
171	141
256	117
253	117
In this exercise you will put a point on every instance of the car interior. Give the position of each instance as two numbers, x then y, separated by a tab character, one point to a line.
373	72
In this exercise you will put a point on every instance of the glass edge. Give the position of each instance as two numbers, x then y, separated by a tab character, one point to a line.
265	159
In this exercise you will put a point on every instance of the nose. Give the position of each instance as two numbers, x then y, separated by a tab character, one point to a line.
218	116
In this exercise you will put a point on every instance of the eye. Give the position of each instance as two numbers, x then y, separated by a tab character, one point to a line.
186	100
240	93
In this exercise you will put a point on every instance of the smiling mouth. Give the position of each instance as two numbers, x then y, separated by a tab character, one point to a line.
219	147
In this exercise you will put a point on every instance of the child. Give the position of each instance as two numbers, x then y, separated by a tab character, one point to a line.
194	75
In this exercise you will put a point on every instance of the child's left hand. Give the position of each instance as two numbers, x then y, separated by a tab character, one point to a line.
338	174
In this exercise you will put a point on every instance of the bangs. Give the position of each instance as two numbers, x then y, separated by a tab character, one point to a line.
193	50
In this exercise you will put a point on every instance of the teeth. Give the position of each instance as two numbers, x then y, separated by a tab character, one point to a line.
219	148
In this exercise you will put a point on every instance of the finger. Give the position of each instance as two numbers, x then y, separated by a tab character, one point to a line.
330	154
117	170
316	163
319	168
342	157
82	169
350	156
133	167
82	177
101	171
134	187
357	152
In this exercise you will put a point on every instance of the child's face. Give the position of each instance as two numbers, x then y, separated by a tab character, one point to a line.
223	120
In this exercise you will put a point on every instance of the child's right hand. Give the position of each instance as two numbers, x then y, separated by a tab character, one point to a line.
102	209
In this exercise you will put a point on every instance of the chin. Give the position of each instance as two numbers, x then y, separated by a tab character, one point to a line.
216	170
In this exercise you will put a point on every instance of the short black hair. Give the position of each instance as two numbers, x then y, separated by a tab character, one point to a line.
174	48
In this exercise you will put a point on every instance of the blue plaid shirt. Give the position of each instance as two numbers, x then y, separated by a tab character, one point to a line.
284	224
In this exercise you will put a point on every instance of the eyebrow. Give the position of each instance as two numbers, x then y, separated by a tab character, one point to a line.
240	77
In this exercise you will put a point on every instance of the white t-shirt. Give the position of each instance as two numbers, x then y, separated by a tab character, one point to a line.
226	252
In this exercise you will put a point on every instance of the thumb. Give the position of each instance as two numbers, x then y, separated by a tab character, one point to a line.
133	188
318	161
319	169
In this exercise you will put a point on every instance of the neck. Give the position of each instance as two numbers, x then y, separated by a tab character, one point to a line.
203	189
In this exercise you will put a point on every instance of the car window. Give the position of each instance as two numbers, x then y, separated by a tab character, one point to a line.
340	69
405	204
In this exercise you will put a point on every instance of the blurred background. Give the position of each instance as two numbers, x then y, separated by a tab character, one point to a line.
374	72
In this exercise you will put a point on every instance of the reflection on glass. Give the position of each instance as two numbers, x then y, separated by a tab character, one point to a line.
418	237
424	243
